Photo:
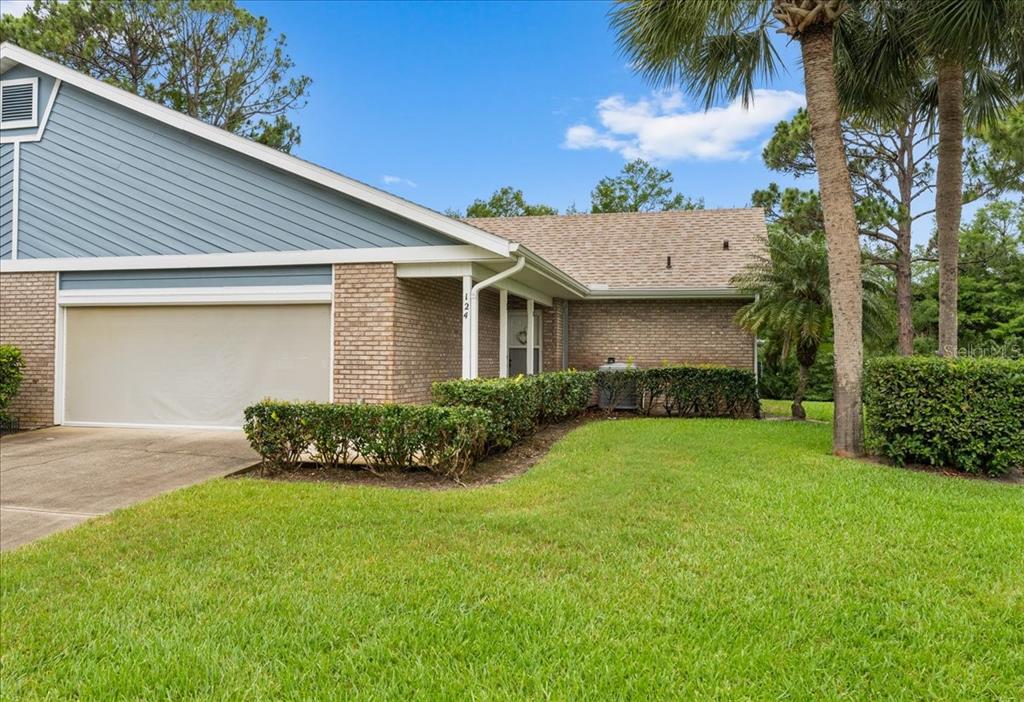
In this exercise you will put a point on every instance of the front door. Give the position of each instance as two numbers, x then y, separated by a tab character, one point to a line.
517	342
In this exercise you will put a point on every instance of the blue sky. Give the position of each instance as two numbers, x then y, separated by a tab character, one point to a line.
449	101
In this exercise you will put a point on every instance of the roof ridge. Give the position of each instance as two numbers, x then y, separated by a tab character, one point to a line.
588	215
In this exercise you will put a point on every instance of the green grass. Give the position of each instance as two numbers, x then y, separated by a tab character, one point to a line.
820	411
643	559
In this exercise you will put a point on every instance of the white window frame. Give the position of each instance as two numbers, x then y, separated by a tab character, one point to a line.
22	123
538	342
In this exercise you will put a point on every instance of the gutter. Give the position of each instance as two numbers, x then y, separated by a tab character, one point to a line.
599	293
474	312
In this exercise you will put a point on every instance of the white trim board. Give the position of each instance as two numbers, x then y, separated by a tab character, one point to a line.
378	198
387	254
237	295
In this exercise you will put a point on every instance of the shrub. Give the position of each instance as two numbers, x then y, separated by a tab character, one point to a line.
517	406
687	391
11	366
564	394
446	440
967	413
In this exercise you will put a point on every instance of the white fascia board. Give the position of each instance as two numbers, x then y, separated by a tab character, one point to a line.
666	294
524	291
292	164
390	254
233	295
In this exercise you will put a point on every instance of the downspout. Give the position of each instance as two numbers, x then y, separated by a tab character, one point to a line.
474	312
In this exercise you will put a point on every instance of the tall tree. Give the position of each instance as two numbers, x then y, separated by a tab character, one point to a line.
791	307
639	187
981	41
207	58
505	202
719	48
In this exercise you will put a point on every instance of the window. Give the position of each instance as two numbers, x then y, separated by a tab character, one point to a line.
18	103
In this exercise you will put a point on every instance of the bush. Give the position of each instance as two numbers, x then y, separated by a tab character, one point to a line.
446	440
687	391
966	413
517	406
11	367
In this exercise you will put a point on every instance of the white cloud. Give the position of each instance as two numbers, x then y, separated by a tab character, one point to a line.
663	127
14	7
397	180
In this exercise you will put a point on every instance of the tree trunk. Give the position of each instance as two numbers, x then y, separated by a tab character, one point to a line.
904	296
841	232
797	409
949	199
904	243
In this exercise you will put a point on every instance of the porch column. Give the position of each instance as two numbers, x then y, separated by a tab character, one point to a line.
502	333
530	341
467	328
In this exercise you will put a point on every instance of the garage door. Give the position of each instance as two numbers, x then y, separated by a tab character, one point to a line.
191	365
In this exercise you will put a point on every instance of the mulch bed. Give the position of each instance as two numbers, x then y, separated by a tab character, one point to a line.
491	471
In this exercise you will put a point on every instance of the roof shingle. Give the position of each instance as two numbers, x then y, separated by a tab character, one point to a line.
631	249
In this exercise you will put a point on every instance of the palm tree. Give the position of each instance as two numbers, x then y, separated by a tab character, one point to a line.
980	43
792	306
718	48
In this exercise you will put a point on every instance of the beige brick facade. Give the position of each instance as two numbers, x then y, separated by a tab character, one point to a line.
656	331
28	311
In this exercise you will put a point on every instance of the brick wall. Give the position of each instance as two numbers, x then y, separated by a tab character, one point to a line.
653	331
364	332
551	323
489	330
394	337
27	320
428	335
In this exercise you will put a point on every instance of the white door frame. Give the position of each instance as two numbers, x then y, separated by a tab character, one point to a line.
538	316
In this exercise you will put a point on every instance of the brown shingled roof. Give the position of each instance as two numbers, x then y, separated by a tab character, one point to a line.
630	249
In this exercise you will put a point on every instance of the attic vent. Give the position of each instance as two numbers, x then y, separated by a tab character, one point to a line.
18	103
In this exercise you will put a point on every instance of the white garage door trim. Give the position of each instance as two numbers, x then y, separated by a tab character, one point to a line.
255	295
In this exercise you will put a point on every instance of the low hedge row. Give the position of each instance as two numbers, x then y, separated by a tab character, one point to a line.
685	391
967	413
446	440
517	406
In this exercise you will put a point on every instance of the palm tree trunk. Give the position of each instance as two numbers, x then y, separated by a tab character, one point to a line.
949	198
844	270
797	409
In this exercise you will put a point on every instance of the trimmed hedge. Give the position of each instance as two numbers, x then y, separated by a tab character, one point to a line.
517	406
967	413
686	391
11	366
446	440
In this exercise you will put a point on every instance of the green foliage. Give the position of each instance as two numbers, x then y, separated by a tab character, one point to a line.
12	366
446	440
209	59
517	406
779	376
966	413
991	294
506	202
685	391
640	187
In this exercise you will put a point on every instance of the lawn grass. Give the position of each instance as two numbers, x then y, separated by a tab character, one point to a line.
820	411
644	559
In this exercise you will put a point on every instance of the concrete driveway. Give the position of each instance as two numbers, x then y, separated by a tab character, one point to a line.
53	479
